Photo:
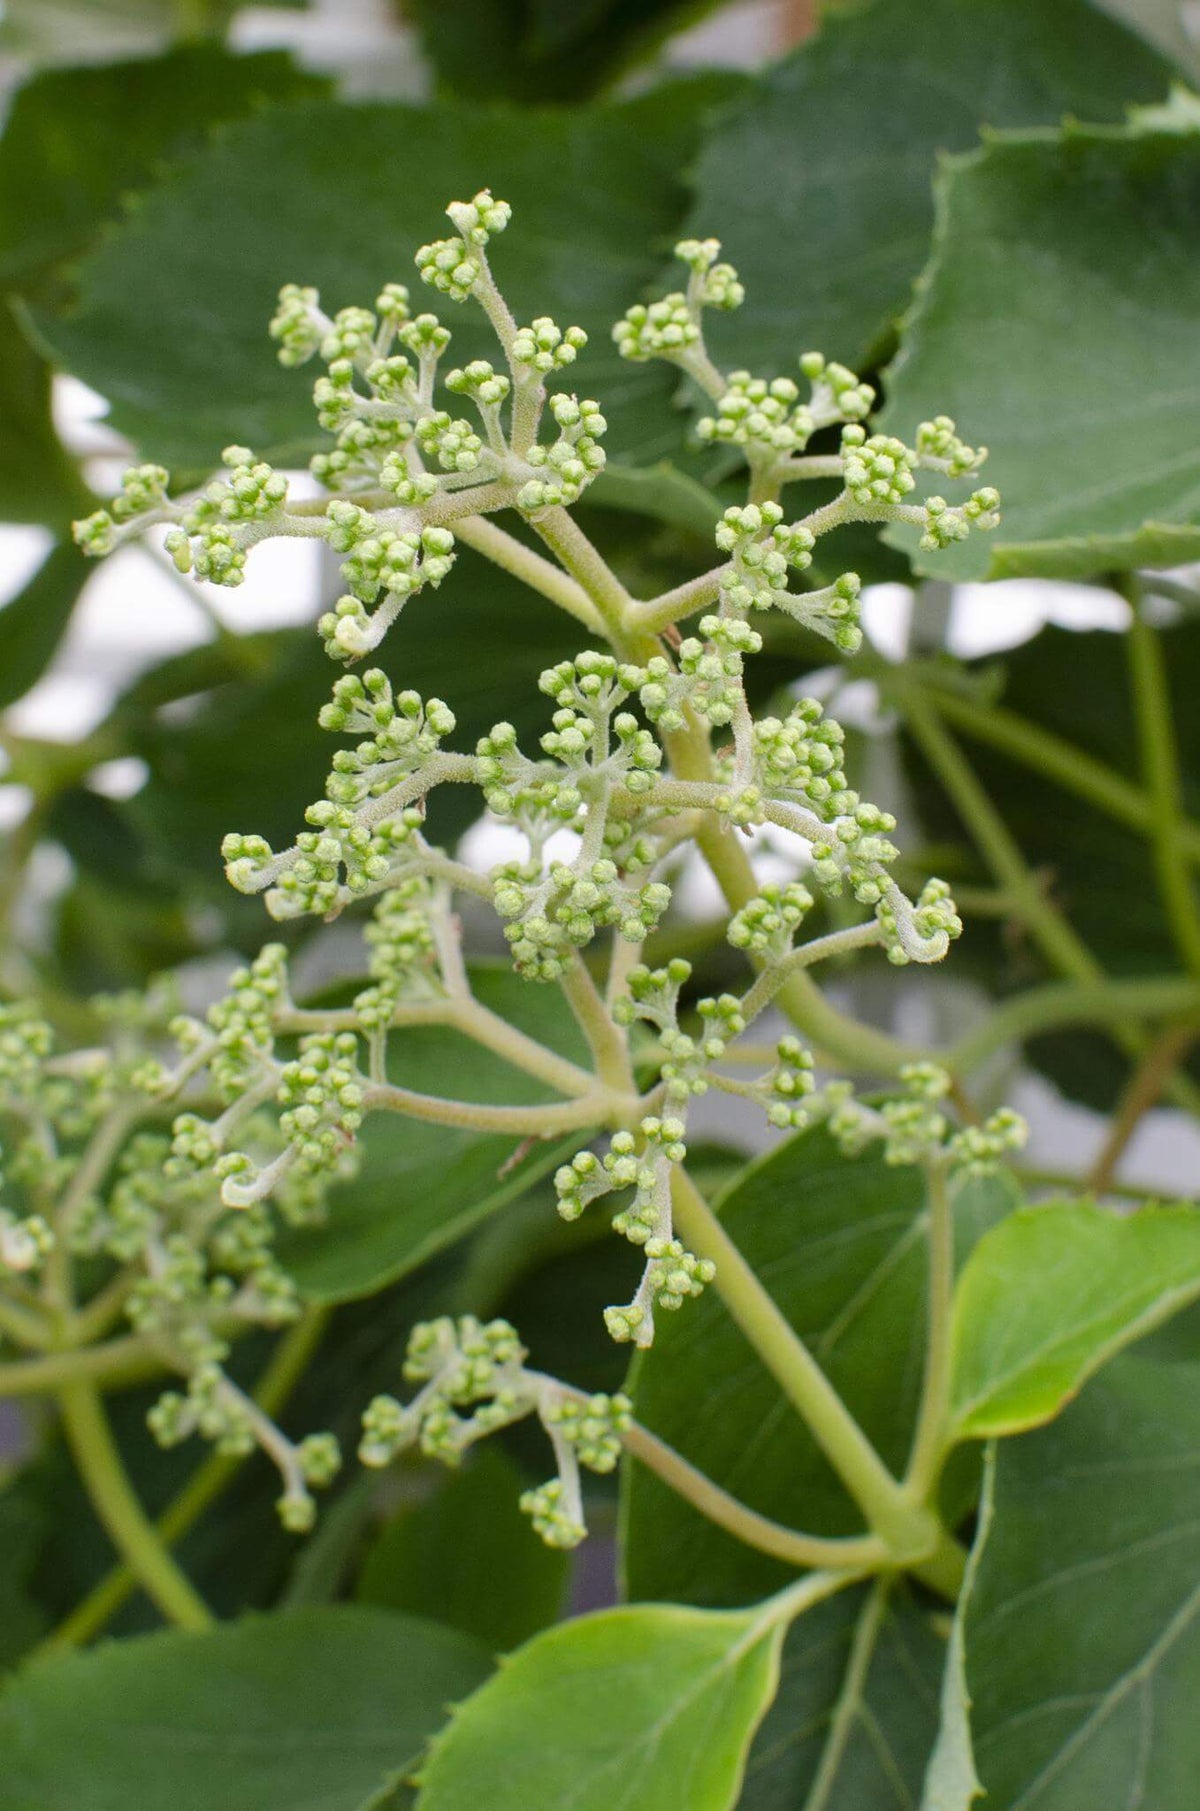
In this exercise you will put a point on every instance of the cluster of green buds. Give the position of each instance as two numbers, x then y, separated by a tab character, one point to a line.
99	1181
473	1381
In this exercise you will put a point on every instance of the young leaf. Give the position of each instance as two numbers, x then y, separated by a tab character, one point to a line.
1051	1294
652	1705
1083	1633
1097	227
312	1707
818	180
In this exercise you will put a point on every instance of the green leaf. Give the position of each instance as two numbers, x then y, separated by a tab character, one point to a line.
33	623
544	50
1083	1633
652	1705
856	1714
82	139
1094	227
1051	1294
466	1555
38	480
951	1782
593	199
818	182
309	1708
839	1242
423	1186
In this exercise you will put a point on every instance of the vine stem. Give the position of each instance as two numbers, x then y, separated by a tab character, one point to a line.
929	1438
605	1041
116	1504
118	1361
910	1530
287	1366
1038	749
1160	768
602	1107
1058	942
1145	1086
541	575
1102	1003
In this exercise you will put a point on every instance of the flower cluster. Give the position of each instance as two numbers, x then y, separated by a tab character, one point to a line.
466	1365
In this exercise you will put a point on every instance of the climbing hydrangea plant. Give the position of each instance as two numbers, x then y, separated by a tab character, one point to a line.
651	739
157	1180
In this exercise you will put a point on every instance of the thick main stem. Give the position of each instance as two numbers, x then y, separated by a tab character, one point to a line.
933	1415
116	1503
1160	767
910	1530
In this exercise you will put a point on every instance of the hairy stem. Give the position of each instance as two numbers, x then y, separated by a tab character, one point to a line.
116	1504
933	1414
606	1042
909	1530
600	1108
1145	1087
746	1524
1160	768
118	1362
539	574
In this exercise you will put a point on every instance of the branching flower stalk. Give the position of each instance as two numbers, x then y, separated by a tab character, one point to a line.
168	1160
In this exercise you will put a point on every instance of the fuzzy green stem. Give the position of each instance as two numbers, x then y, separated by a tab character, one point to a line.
820	949
118	1362
1053	935
600	1108
1160	768
1057	1004
673	606
606	1041
568	543
745	1524
933	1414
909	1529
541	575
116	1504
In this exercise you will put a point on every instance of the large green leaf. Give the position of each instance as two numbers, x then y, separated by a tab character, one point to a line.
594	193
856	1714
1083	1634
1050	1295
38	480
311	1708
652	1705
423	1186
81	140
543	50
1058	323
818	182
33	623
839	1242
467	1556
